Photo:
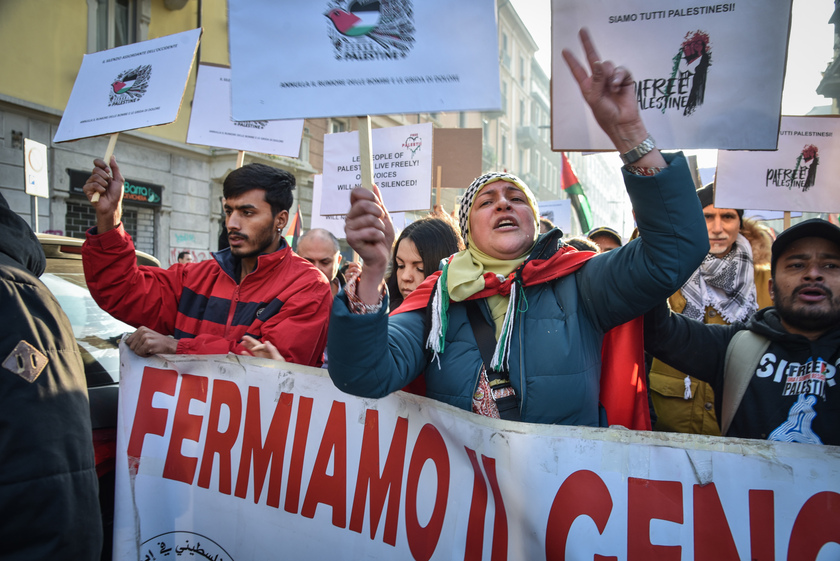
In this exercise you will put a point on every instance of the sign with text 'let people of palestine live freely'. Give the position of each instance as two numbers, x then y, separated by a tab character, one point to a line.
233	458
402	168
801	175
130	87
707	74
211	124
335	58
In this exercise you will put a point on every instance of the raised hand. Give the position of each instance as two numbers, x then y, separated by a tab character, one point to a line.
108	183
610	93
370	233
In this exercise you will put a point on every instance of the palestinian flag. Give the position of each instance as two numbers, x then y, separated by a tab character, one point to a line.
293	231
571	185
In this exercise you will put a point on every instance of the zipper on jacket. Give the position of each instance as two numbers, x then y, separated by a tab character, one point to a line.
233	302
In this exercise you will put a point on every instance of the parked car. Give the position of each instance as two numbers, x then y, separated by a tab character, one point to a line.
97	334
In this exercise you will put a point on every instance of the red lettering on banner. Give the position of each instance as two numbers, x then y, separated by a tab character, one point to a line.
500	534
390	484
330	489
762	526
185	427
298	453
272	452
648	499
712	535
225	393
583	493
148	419
429	446
478	511
817	524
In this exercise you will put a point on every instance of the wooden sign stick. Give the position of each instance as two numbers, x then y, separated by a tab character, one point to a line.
365	152
109	151
240	159
786	220
439	202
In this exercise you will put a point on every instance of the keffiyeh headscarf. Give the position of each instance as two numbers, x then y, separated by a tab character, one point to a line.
463	276
725	283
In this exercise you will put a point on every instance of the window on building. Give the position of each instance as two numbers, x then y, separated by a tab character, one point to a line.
504	97
337	126
503	149
522	112
505	52
462	120
304	145
116	23
522	70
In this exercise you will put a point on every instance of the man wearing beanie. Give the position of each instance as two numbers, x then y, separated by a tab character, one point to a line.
727	287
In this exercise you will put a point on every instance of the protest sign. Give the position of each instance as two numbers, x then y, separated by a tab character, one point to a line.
35	168
559	212
402	168
706	75
362	58
211	124
130	87
801	175
228	458
332	222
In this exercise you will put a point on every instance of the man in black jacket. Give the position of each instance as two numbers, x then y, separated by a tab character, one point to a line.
48	486
792	393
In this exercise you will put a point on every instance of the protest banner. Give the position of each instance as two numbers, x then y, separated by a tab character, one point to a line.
402	168
334	223
707	75
231	458
130	87
362	58
212	125
801	175
559	212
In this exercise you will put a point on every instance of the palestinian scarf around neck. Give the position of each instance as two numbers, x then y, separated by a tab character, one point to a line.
727	284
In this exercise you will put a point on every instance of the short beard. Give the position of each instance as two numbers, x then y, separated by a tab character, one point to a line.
808	319
263	241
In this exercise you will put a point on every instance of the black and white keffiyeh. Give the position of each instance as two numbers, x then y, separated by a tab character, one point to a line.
727	284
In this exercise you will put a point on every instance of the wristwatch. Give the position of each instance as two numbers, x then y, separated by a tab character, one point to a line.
635	154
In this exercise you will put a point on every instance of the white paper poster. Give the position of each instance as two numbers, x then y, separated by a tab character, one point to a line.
801	175
334	222
559	212
130	87
328	58
402	168
233	458
708	75
212	125
35	168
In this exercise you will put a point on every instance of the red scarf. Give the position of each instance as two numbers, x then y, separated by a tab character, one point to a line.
623	382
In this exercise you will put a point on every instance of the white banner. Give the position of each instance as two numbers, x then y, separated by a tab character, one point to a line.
333	222
801	175
708	75
232	458
130	87
211	124
402	168
335	58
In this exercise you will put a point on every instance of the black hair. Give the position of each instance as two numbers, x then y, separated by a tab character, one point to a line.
583	244
183	254
435	239
277	184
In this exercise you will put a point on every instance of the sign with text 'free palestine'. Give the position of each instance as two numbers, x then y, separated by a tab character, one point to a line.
707	74
229	458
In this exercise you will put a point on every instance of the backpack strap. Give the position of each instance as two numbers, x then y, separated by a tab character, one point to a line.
742	355
485	336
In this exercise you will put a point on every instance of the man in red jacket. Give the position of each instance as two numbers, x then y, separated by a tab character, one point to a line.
253	296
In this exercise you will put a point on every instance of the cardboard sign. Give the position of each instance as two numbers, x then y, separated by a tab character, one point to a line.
402	168
35	168
229	458
707	75
362	57
457	152
801	175
559	212
211	124
130	87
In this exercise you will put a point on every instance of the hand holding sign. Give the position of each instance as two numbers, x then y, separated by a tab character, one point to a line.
370	233
105	185
610	93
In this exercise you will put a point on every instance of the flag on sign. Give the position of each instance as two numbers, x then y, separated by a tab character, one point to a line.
571	185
